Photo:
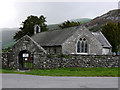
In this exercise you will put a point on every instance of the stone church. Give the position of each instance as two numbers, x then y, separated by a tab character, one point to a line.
73	40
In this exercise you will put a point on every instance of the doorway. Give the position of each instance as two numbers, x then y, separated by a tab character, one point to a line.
25	60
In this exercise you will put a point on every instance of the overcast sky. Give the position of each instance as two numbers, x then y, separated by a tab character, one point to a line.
55	12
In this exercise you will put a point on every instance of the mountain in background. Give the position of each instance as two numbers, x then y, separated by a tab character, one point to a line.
56	26
82	20
97	23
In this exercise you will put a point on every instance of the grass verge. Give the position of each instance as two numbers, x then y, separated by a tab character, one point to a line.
87	72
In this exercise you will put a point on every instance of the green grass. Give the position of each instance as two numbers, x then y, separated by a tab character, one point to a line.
87	72
0	70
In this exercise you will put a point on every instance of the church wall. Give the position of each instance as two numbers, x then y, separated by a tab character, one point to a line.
70	45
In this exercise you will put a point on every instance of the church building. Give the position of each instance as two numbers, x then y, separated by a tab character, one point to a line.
73	40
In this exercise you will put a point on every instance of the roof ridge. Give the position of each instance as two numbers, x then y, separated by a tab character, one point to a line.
56	30
60	29
56	37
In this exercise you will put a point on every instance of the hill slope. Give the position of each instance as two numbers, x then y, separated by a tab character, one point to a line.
7	36
98	22
56	26
82	20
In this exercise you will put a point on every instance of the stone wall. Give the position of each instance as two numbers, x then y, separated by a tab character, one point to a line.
59	61
53	49
53	61
8	61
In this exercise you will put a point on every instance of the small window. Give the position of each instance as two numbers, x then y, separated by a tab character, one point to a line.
80	39
84	39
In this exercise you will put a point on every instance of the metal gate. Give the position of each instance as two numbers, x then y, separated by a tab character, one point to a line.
26	60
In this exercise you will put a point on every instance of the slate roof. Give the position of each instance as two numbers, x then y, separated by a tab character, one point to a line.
100	37
53	37
57	37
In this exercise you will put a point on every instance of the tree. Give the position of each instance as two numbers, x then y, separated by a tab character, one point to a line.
112	33
28	26
68	23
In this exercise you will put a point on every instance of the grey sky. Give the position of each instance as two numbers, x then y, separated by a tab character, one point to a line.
57	12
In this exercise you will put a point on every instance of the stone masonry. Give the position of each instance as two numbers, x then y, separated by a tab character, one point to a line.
60	61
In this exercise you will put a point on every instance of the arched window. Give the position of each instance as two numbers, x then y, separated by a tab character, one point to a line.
82	45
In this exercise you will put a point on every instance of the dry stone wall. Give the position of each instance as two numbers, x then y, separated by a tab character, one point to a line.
60	61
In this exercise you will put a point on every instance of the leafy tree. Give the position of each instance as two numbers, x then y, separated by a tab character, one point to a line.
112	33
28	26
68	23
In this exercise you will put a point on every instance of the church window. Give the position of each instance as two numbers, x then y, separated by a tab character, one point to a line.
82	45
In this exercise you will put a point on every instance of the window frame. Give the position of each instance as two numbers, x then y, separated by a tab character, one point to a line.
84	41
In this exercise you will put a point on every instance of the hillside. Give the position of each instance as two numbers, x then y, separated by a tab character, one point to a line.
82	20
98	22
7	36
56	26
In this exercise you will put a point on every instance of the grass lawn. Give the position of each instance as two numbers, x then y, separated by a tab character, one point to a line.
87	72
0	71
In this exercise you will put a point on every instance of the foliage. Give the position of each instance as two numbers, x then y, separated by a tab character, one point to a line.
68	23
88	72
28	26
63	56
50	56
0	70
112	32
6	49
